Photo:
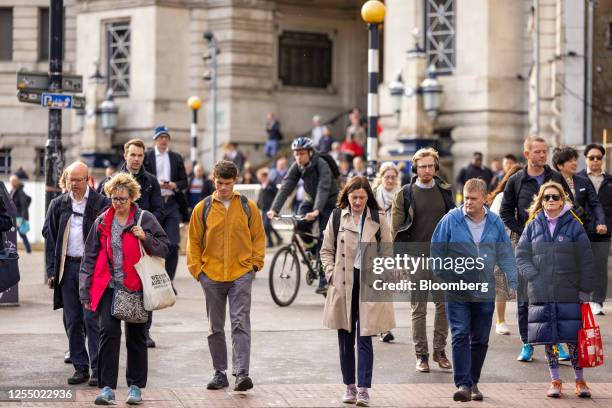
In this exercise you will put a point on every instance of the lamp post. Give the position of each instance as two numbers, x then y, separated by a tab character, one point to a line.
194	104
430	89
214	50
373	13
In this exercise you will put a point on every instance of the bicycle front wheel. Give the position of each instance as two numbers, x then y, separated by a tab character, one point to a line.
284	278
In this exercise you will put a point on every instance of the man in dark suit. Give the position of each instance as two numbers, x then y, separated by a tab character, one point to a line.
169	169
68	222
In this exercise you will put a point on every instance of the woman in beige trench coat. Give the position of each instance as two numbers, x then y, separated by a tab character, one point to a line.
356	320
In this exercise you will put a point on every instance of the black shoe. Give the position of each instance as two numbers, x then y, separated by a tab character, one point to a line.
476	394
463	394
322	288
150	341
218	381
243	383
67	358
79	377
93	381
387	337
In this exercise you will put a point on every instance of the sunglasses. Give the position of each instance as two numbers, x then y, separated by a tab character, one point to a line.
593	158
120	200
551	197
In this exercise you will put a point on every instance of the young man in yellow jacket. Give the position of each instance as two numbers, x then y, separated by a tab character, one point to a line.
225	248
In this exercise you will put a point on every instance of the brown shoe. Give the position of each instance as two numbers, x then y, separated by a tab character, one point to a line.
555	389
582	390
422	364
440	358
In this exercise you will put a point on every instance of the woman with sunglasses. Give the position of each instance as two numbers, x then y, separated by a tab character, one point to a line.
112	249
554	256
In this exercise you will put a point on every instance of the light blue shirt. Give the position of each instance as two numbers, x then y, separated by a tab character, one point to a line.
476	228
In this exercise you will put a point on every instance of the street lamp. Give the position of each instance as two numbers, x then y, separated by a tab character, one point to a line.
432	93
109	113
194	104
373	13
396	90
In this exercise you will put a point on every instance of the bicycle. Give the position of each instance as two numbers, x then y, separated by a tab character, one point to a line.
284	278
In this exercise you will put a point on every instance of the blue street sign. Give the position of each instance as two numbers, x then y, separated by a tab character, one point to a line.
56	101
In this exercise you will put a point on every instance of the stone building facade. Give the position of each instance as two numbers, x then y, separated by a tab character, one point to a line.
299	58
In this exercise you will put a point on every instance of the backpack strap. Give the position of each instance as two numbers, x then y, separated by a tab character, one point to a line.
245	207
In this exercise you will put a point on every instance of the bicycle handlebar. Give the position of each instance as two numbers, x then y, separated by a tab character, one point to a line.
289	217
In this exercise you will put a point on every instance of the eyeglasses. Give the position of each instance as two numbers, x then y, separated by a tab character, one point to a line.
426	166
551	197
593	158
121	200
390	177
75	180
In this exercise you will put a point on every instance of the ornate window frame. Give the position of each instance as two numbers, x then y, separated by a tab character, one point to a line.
118	43
440	34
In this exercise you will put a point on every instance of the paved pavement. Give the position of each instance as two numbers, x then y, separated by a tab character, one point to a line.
294	359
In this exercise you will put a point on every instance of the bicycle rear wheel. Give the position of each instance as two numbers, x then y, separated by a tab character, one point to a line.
284	278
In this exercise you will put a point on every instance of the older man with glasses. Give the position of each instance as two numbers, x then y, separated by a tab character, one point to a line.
69	219
600	240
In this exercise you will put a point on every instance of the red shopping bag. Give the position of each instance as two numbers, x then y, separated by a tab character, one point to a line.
590	349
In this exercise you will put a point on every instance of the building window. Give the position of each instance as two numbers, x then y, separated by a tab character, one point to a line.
440	34
305	59
6	34
5	162
118	61
40	161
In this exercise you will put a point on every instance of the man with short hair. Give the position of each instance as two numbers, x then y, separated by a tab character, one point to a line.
416	209
69	219
225	248
475	169
150	193
274	135
169	169
508	162
473	236
600	243
518	195
22	203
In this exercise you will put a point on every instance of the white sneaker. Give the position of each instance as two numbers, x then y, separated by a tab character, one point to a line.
502	328
596	308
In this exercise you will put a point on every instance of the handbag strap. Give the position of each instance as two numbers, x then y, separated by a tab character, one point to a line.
142	251
588	321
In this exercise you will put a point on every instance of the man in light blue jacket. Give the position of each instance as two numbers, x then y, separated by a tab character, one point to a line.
467	244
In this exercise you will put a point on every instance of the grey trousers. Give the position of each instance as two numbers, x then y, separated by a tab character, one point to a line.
238	293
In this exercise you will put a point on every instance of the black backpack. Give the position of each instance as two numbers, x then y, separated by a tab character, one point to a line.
332	164
336	224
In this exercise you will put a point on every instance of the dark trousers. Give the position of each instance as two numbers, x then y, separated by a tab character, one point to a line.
26	242
522	308
306	226
110	346
80	323
270	230
346	343
470	324
601	250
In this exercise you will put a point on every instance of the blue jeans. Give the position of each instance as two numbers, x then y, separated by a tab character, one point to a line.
346	343
271	148
80	323
470	324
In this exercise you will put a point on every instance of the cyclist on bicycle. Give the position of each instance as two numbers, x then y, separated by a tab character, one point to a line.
321	189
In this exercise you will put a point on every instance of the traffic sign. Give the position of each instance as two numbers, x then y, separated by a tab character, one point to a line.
39	81
78	102
56	101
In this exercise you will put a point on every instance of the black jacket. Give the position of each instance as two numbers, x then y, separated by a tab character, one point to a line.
58	214
586	197
518	195
21	201
177	175
150	192
471	171
6	223
605	199
266	196
319	183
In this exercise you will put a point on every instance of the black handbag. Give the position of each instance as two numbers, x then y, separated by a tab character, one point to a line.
9	268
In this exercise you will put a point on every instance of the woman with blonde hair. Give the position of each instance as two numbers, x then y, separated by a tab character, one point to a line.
554	256
112	250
